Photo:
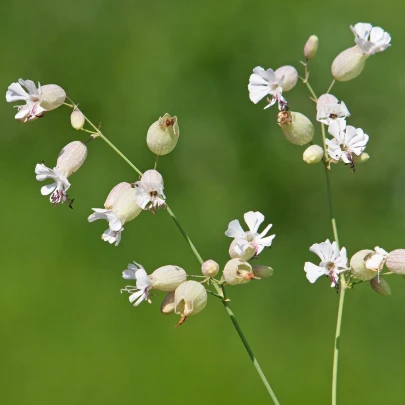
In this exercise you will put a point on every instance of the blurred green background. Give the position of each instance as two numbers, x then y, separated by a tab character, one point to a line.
68	335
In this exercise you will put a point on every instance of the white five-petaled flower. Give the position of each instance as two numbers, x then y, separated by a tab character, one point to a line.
377	260
265	82
329	109
58	188
37	100
333	262
243	240
346	141
370	39
143	283
149	191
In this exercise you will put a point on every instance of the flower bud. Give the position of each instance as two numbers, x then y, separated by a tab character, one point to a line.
167	278
71	157
190	298
247	254
349	64
290	76
77	119
210	268
311	47
396	261
237	271
361	159
163	135
358	265
52	96
125	205
167	306
380	286
262	271
296	127
115	193
313	154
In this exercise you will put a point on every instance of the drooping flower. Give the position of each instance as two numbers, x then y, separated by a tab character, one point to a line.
329	109
143	283
120	207
250	239
149	191
37	100
377	260
333	262
346	141
69	161
370	39
263	83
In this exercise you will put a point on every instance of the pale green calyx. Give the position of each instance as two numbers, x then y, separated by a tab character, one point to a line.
296	127
167	306
163	135
262	271
190	298
77	119
311	47
53	96
358	265
396	261
71	157
237	271
313	154
168	278
349	64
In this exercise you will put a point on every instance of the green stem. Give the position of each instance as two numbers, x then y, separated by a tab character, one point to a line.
331	85
220	292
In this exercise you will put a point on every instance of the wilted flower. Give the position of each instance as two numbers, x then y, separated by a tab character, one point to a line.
370	39
163	135
38	100
265	82
333	262
250	238
149	191
377	260
143	284
237	271
71	157
329	109
346	142
120	207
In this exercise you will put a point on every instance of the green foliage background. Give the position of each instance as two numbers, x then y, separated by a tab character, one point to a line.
68	336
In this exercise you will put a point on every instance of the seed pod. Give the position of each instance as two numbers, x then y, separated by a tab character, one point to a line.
210	268
163	135
296	127
167	306
125	205
115	193
53	96
361	159
262	271
313	154
168	278
349	64
358	265
71	157
396	261
237	271
290	76
311	47
247	254
77	119
380	285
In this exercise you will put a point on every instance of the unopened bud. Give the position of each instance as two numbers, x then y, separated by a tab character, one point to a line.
311	47
115	193
358	265
361	159
396	261
210	268
313	154
163	135
349	64
53	96
290	75
168	278
380	286
296	127
190	298
237	271
77	119
249	252
262	271
71	157
167	306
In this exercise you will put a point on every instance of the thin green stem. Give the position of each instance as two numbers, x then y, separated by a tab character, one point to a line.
156	162
331	85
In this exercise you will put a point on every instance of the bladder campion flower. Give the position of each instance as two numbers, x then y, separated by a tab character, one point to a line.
329	109
143	283
149	191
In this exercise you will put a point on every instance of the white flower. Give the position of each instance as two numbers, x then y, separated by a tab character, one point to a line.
370	39
243	240
265	82
143	283
38	100
149	191
346	142
58	188
332	263
329	108
120	207
377	260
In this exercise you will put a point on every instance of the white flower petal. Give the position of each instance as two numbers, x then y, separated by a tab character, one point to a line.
313	272
253	220
235	230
